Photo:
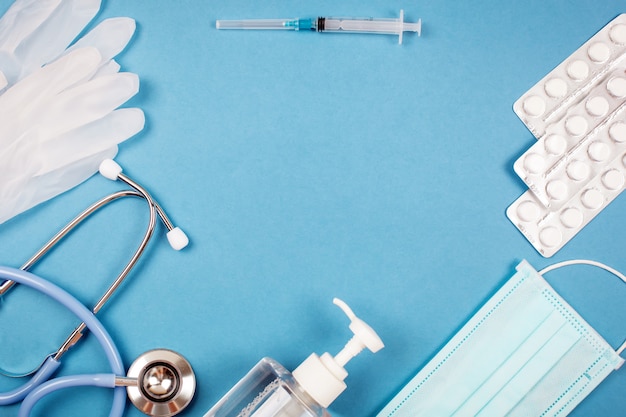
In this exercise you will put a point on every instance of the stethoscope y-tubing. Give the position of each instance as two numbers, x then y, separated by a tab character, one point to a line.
94	326
44	373
92	380
52	362
36	388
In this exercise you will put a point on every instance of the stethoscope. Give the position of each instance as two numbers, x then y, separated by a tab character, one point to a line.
160	382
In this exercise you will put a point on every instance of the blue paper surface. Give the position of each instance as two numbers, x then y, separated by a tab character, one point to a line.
305	166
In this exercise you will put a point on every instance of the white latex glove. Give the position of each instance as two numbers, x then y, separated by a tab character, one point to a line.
57	123
35	32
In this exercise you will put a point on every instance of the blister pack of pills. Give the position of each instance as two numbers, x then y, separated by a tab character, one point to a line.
578	164
550	99
548	230
576	148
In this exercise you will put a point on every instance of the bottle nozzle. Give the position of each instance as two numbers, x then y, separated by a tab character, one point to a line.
364	336
322	376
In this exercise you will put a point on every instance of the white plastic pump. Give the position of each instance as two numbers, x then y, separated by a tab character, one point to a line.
322	376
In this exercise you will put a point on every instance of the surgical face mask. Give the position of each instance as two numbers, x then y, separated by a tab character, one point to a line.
525	353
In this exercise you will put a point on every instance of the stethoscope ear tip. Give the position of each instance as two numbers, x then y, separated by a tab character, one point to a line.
110	169
177	238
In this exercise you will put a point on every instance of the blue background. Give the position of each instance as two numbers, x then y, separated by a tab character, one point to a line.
306	166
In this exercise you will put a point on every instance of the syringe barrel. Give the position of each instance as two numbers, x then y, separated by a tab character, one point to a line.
385	26
370	25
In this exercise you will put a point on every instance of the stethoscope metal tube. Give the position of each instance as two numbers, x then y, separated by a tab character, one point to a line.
175	370
8	284
140	192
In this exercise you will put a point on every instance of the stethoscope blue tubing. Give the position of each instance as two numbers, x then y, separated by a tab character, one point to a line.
47	369
35	390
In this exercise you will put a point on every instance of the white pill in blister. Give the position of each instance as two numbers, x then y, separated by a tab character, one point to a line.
577	170
592	199
613	179
598	151
576	125
571	217
617	87
599	52
578	70
550	236
556	88
617	132
597	106
555	144
528	211
556	189
534	106
618	33
534	163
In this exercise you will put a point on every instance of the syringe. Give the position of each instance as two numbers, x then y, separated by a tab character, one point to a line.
330	24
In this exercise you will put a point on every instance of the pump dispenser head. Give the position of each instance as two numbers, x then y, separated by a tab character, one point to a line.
322	377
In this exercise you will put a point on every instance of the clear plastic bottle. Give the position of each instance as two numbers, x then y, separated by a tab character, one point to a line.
270	390
267	390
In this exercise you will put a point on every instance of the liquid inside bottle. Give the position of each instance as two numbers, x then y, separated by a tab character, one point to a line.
268	390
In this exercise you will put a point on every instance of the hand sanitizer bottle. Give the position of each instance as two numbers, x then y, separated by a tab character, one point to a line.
270	390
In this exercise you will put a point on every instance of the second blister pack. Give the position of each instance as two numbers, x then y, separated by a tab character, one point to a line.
578	164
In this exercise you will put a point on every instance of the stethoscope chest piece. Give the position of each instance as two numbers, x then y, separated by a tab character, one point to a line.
165	383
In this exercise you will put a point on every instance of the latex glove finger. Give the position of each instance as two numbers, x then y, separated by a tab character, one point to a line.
15	163
30	96
38	189
26	117
90	139
30	160
55	34
19	22
110	37
23	18
108	68
85	103
48	81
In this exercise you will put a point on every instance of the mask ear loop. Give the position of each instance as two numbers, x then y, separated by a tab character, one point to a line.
600	265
